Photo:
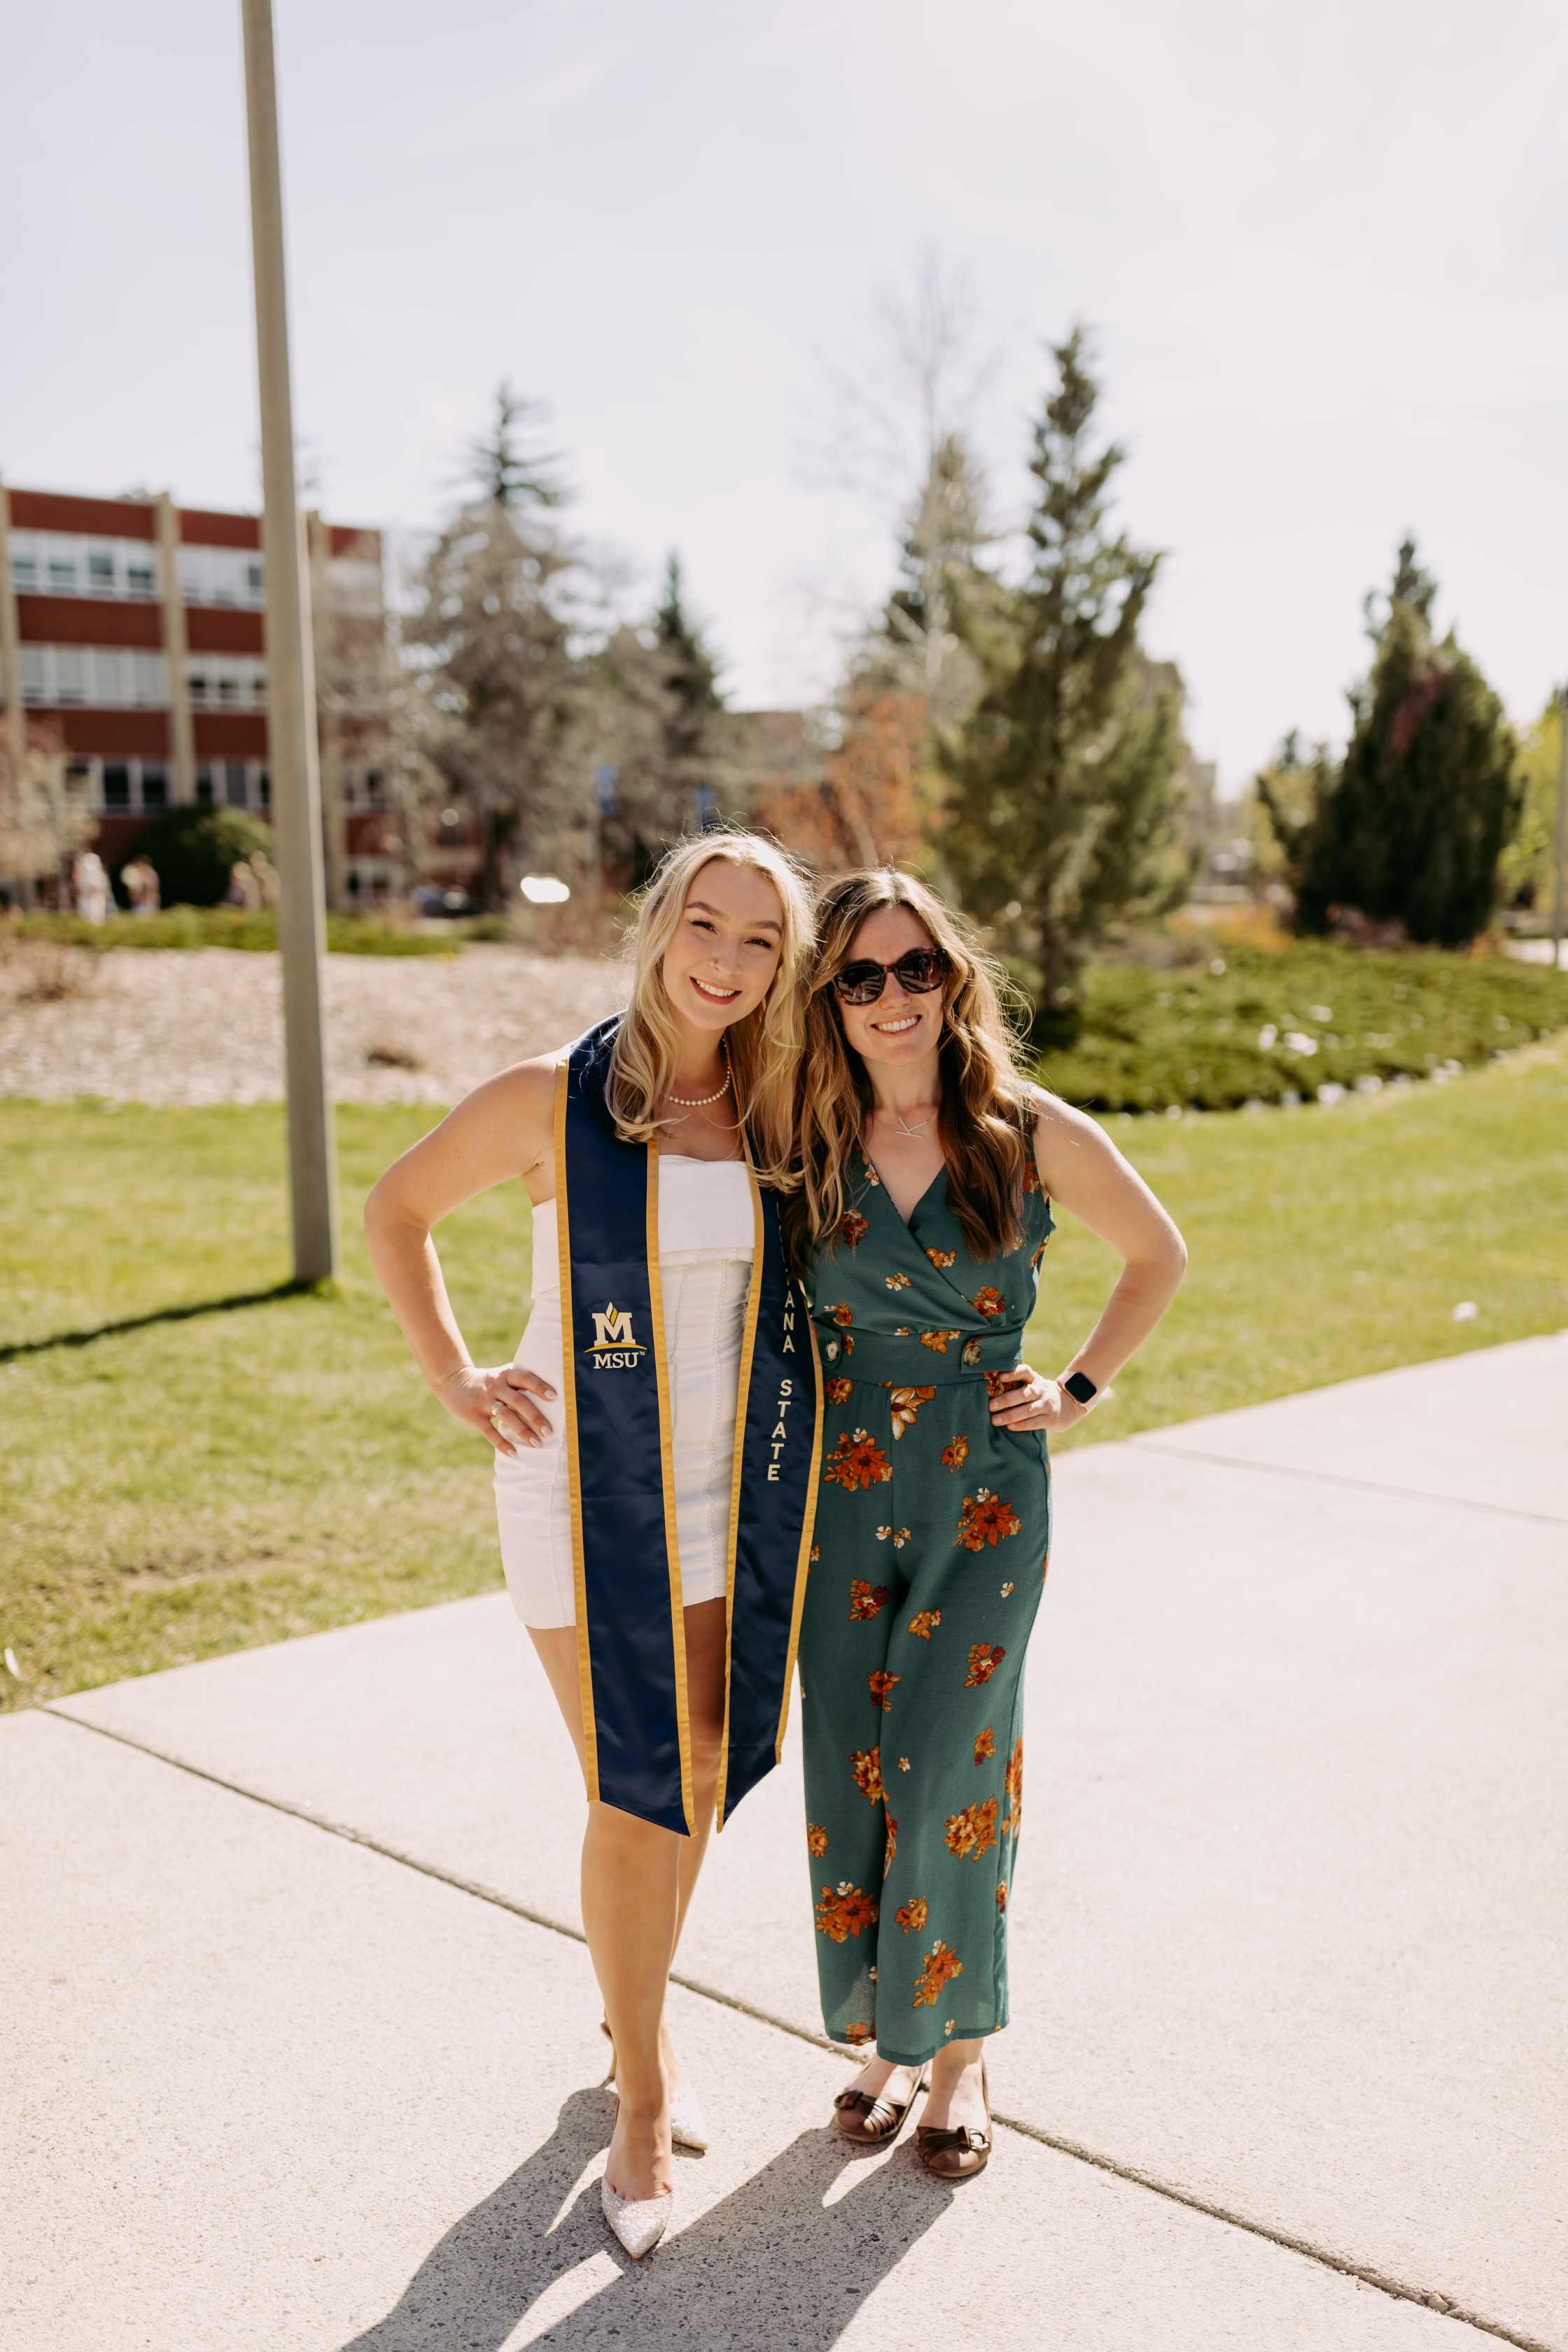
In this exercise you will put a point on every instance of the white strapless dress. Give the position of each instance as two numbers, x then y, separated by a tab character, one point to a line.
706	1243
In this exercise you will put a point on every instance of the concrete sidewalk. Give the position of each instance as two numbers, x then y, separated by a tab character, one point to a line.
1287	2048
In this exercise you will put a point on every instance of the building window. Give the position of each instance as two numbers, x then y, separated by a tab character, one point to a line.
24	565
116	786
139	579
375	788
264	789
204	786
234	790
154	787
62	576
100	571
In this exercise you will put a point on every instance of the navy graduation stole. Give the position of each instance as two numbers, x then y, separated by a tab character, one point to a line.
631	1647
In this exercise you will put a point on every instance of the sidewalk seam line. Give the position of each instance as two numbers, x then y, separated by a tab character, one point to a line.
1394	2288
1361	1485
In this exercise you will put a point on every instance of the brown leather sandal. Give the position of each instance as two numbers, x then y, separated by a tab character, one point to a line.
869	2120
960	2153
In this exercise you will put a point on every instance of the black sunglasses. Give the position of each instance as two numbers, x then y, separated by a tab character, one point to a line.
920	970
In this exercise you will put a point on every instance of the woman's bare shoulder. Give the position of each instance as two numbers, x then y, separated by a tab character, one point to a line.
1052	1117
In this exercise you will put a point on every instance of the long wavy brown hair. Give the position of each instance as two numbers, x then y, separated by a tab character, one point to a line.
983	1121
764	1048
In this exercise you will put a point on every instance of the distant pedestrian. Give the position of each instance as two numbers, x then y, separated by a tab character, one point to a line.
139	881
244	887
929	1168
89	883
266	874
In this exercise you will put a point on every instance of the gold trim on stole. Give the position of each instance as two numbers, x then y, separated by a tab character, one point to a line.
743	1393
666	1458
573	1470
802	1561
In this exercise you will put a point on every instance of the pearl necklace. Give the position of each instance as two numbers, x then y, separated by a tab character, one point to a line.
695	1102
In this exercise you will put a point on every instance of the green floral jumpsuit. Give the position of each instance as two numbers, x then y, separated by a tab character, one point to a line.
933	1530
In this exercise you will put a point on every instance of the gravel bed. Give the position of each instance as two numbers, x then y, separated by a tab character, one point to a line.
174	1026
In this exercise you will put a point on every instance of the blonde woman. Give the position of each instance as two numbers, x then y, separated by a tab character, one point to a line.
930	1169
655	1435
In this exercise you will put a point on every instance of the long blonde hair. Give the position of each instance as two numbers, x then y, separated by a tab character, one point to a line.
763	1047
983	1119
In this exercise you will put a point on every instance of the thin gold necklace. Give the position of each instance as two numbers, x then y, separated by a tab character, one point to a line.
695	1102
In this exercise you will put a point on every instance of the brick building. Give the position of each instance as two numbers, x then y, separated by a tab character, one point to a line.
133	637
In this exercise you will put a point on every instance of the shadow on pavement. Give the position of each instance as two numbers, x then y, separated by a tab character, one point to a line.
770	2265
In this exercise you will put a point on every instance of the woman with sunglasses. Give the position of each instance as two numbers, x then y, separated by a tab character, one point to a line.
927	1171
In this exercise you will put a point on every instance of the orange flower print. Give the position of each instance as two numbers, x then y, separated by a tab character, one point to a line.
880	1686
1045	1568
842	1315
925	1623
989	1302
984	1658
865	1771
973	1832
870	1172
853	1228
911	1915
986	1518
844	1913
858	1461
906	1405
901	1330
1032	1177
983	1746
1006	1589
1013	1782
815	1839
942	1259
898	1281
856	2034
1035	1261
998	1384
839	1390
971	1353
937	1341
955	1455
892	1845
903	1763
816	1552
1001	1895
900	1537
940	1967
867	1601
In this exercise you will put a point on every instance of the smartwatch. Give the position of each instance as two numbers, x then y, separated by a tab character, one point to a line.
1081	1388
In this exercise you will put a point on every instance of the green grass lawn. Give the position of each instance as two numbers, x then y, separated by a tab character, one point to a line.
267	1469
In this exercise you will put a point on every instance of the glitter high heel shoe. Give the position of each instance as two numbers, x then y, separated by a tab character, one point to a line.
688	2123
639	2222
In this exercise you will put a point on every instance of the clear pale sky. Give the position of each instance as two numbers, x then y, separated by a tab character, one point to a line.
1322	250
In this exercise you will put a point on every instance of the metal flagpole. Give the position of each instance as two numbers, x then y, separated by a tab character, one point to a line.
1562	826
290	691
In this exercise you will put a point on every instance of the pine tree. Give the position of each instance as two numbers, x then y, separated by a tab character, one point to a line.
691	668
945	614
1060	799
494	642
1410	827
507	475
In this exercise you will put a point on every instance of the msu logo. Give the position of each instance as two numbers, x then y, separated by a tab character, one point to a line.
613	1348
